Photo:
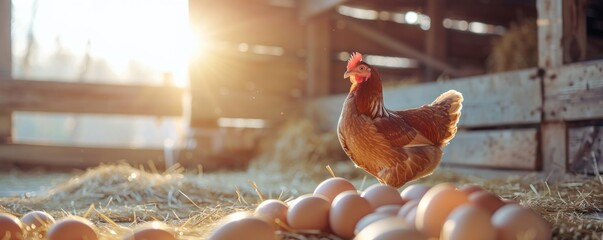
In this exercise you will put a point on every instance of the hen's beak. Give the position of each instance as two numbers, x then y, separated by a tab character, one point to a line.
347	74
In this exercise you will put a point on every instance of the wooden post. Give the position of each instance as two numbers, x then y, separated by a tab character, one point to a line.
435	45
5	65
574	31
319	56
553	136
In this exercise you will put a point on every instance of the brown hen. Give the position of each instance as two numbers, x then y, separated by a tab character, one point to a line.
394	146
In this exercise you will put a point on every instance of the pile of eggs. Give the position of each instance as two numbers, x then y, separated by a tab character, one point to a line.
41	225
381	212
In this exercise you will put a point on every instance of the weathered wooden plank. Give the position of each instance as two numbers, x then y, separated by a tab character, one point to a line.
47	96
85	157
507	149
318	61
509	98
550	33
574	92
585	149
209	105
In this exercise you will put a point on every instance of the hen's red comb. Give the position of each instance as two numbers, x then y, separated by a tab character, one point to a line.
354	60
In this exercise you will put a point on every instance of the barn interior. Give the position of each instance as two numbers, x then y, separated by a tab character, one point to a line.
125	112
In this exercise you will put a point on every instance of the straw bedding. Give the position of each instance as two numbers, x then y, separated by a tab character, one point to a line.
118	197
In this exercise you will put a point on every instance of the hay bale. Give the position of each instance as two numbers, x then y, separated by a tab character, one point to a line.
516	49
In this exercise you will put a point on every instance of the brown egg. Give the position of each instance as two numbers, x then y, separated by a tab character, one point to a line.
468	221
470	188
513	221
152	231
406	208
37	223
379	195
11	227
391	228
391	209
414	192
435	206
332	187
371	218
72	228
487	200
270	210
235	227
346	210
309	213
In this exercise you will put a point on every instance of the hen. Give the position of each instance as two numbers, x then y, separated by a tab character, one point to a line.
394	146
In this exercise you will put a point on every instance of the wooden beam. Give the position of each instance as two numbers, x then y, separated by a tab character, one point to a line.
504	149
86	157
436	40
5	65
550	33
5	39
399	46
507	99
553	145
574	92
47	96
318	61
313	8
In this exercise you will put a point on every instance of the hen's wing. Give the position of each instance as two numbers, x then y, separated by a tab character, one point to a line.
399	132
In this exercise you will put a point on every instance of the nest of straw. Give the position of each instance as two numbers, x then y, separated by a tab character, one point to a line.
118	197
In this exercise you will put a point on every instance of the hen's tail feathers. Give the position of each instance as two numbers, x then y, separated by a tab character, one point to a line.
451	102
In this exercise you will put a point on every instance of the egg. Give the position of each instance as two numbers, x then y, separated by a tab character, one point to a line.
391	208
470	188
513	221
391	228
406	208
242	226
414	192
152	231
487	200
370	218
379	195
11	227
309	213
37	223
435	206
332	187
468	221
346	210
270	210
72	228
411	217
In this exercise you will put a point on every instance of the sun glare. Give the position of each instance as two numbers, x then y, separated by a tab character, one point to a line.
152	34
